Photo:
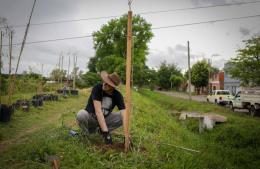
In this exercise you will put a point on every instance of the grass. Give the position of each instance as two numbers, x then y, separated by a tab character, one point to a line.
155	130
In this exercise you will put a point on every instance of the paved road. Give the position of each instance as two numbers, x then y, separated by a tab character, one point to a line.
200	98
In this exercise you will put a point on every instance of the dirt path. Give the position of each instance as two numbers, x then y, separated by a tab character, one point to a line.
21	136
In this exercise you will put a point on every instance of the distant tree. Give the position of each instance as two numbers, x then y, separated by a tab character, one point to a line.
176	81
56	74
164	74
89	79
92	64
200	74
213	69
246	65
149	77
110	43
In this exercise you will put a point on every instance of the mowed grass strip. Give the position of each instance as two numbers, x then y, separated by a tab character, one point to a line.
156	131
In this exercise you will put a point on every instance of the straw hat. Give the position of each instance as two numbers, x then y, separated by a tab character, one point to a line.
111	79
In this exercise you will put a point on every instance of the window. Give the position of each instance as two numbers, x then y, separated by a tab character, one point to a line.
223	92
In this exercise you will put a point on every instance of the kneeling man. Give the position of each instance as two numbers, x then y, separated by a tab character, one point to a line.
98	113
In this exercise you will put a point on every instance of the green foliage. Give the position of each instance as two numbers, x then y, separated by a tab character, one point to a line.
165	72
213	69
246	65
200	74
149	78
50	87
110	43
4	85
88	79
176	81
57	74
155	131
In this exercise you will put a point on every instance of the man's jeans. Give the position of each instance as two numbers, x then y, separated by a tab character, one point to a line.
89	124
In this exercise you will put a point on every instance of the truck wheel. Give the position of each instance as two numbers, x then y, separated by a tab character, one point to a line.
231	106
252	111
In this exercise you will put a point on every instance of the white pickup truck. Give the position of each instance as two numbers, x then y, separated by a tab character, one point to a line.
219	97
247	98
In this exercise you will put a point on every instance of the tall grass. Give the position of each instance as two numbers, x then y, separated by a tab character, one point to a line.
155	130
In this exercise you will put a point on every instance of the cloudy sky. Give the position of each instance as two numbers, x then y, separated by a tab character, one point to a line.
215	40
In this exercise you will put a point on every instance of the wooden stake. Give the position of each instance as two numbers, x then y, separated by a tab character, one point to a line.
59	69
10	51
1	37
12	79
62	57
74	72
68	72
189	70
128	81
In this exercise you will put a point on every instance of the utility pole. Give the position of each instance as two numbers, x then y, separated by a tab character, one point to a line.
59	70
1	38
128	80
189	71
68	74
42	69
10	51
209	88
62	57
74	71
171	80
12	80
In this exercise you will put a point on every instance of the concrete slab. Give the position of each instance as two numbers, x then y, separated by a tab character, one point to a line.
206	121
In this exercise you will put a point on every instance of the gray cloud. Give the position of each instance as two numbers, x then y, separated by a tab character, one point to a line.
215	55
244	31
215	2
257	33
179	57
173	55
206	38
181	48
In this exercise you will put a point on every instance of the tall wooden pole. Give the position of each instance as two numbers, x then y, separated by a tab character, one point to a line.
1	37
42	70
12	85
189	70
74	72
62	57
68	72
59	69
10	51
128	81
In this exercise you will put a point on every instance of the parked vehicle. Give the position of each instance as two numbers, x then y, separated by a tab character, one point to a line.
247	98
219	97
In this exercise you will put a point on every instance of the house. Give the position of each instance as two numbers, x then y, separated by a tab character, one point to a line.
231	84
216	81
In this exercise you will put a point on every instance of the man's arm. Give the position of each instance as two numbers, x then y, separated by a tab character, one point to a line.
100	116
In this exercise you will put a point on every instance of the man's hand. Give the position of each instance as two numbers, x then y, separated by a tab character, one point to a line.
107	138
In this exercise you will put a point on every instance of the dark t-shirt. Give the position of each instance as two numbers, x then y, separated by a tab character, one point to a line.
108	102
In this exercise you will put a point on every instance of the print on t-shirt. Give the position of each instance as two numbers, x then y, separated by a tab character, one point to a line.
106	105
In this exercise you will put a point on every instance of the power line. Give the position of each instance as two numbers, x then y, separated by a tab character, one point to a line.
204	22
200	7
53	40
141	13
162	27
